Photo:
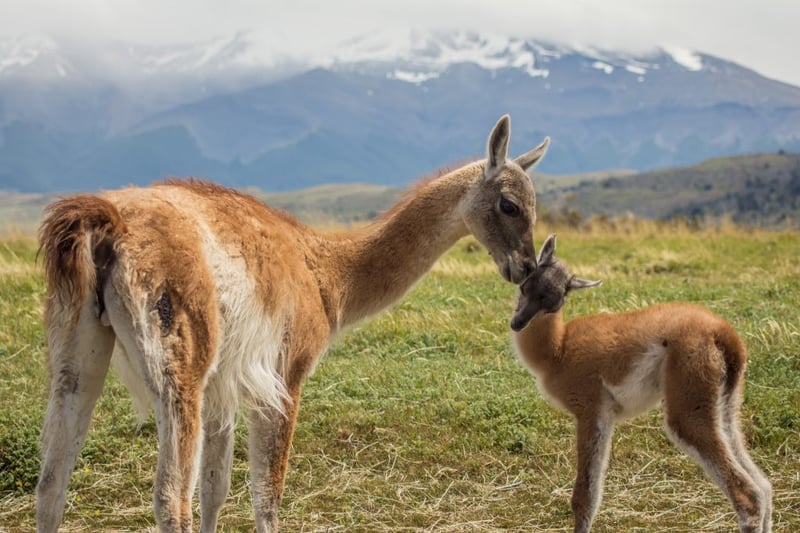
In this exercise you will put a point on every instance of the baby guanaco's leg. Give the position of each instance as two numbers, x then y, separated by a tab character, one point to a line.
594	432
736	440
694	404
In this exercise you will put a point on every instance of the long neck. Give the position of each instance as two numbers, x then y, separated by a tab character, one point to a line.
376	265
541	343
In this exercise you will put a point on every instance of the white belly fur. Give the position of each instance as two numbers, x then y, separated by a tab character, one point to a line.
640	391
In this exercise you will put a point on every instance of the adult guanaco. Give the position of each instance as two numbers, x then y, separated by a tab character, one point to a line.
212	302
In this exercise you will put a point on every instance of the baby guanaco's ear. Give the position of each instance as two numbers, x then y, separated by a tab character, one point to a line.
580	283
547	251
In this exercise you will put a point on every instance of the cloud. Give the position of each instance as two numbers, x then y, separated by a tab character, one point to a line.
760	35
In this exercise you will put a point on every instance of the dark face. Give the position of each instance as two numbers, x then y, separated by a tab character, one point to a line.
544	291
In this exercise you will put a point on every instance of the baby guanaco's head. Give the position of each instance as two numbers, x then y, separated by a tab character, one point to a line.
546	288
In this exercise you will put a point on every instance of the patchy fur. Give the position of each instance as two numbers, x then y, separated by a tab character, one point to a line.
213	303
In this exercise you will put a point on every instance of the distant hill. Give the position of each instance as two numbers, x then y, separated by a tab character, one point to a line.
762	190
383	109
333	204
759	190
21	213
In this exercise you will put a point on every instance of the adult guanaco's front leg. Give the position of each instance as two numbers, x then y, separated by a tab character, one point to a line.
269	445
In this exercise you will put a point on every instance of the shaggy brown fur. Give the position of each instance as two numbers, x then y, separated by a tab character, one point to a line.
76	232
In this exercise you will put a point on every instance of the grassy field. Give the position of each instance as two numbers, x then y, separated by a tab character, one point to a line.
421	419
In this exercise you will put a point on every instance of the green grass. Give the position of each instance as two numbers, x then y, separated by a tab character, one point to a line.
421	419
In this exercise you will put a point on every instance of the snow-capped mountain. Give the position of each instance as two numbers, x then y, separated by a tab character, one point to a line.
419	57
416	57
33	56
50	58
410	56
384	107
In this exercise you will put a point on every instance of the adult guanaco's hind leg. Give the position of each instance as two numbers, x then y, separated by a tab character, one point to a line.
80	353
164	361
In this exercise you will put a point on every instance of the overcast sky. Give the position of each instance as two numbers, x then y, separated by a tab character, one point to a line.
763	35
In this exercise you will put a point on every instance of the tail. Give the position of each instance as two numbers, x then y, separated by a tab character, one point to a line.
77	241
735	354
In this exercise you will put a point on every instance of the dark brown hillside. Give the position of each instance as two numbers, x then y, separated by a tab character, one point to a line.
759	189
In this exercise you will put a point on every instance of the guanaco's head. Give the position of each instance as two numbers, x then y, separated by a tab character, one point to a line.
546	289
500	209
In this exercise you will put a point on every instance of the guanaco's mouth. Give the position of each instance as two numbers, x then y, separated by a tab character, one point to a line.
514	271
517	323
505	271
523	317
511	269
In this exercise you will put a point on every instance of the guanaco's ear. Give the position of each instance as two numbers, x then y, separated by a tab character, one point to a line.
530	159
547	251
580	283
497	149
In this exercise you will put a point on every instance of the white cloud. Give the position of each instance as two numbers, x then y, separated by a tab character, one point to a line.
759	34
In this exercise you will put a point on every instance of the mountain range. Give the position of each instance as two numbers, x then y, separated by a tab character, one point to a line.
384	108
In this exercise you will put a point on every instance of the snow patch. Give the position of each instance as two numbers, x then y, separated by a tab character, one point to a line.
607	61
24	51
684	57
7	63
412	77
548	51
605	67
242	50
424	55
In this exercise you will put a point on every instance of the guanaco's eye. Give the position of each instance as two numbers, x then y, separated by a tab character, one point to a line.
509	208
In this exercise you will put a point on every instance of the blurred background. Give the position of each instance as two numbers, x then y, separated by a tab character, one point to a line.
274	97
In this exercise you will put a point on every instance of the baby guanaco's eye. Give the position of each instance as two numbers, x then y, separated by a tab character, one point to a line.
509	208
